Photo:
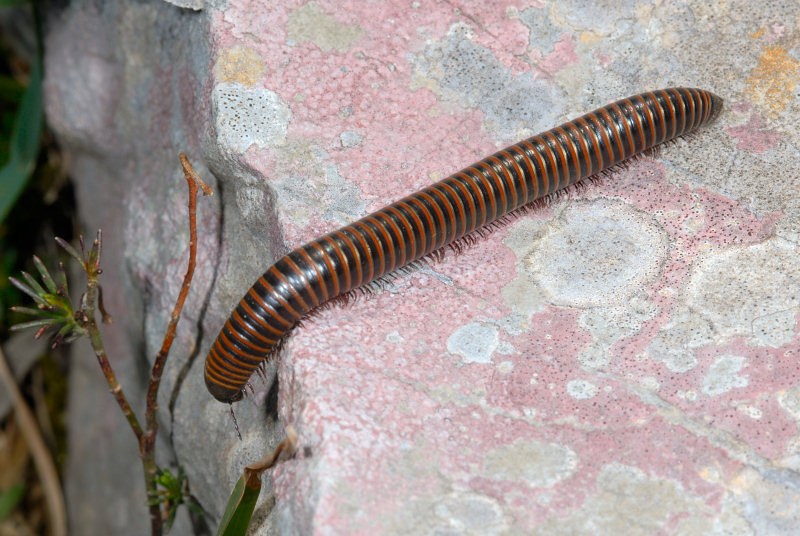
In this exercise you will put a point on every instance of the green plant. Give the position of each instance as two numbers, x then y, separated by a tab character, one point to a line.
55	311
53	306
173	493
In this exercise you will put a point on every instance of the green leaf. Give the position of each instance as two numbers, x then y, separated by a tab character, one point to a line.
243	499
67	333
26	310
93	263
64	287
31	324
47	279
27	290
239	510
71	250
175	492
10	498
23	148
34	285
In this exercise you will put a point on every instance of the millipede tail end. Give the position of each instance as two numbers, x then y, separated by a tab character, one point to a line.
716	105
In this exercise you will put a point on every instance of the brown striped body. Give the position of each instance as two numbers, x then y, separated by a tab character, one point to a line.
437	216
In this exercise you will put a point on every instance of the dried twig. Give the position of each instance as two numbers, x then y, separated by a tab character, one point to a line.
148	441
54	499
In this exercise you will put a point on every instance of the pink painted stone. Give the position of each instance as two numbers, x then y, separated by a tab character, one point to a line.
753	136
578	357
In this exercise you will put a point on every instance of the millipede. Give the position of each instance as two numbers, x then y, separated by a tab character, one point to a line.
442	214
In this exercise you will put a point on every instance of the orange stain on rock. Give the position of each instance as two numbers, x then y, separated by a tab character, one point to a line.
772	82
240	64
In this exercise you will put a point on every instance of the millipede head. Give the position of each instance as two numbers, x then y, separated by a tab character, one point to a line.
222	393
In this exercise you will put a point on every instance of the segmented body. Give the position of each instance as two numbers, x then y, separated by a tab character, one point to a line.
438	215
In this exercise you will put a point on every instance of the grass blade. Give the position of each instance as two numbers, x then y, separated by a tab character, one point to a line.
240	507
23	149
244	496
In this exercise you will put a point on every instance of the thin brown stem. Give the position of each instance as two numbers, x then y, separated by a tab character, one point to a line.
96	340
193	182
148	463
148	441
107	318
90	302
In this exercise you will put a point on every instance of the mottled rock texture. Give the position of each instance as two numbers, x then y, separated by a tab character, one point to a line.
621	361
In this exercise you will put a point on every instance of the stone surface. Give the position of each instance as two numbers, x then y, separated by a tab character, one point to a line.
622	360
